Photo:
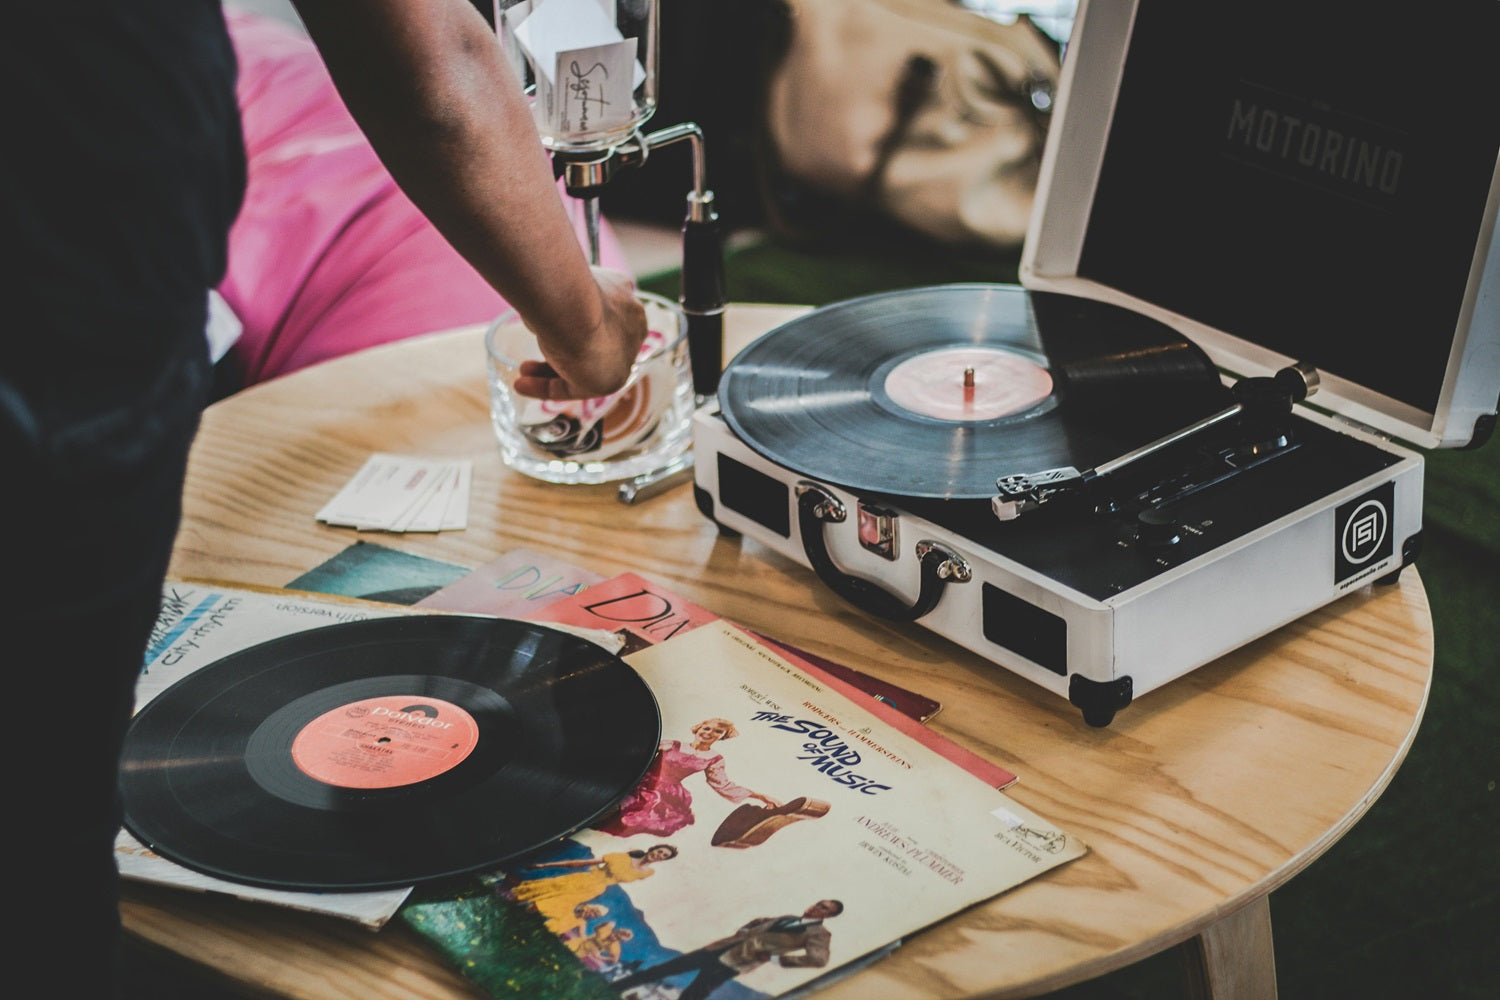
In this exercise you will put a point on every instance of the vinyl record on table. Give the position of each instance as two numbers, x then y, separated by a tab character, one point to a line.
935	392
385	752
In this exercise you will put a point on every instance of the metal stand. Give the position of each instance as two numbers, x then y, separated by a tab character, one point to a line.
701	296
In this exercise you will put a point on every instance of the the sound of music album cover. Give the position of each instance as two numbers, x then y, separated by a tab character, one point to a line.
782	832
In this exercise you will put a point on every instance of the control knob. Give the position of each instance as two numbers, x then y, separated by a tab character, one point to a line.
1157	529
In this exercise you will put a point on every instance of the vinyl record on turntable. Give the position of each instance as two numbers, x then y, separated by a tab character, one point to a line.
386	752
935	392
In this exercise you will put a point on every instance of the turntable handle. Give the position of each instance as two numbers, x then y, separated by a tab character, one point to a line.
816	506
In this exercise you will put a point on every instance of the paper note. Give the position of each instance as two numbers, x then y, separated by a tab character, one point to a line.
402	493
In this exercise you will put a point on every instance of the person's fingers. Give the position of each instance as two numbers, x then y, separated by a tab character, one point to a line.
546	387
539	380
531	387
537	369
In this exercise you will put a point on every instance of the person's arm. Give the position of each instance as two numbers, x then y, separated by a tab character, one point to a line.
573	863
813	953
429	85
718	779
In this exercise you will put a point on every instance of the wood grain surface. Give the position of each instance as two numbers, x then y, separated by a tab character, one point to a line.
1199	800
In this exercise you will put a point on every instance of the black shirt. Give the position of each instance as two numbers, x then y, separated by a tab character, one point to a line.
122	170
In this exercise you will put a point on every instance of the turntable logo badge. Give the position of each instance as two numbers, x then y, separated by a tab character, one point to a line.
1364	538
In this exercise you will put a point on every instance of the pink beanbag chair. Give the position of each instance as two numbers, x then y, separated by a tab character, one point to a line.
327	255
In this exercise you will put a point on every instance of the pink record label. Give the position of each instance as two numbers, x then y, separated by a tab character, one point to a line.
385	742
968	383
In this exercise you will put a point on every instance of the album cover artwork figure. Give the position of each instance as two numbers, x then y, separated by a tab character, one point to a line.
661	804
556	889
597	941
794	941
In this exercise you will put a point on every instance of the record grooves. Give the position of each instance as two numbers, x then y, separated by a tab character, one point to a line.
387	752
831	394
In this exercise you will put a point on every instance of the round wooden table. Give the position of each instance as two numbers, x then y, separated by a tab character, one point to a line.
1197	801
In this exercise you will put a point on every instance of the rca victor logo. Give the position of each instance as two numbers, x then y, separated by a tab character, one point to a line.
1363	534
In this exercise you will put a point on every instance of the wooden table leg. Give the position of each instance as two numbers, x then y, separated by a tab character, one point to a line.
1233	959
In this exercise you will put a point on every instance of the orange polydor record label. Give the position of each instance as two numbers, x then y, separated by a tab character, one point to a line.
385	742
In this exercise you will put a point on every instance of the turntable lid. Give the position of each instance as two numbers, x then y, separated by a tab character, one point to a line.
1278	194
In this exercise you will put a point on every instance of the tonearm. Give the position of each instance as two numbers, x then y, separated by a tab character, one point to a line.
1258	398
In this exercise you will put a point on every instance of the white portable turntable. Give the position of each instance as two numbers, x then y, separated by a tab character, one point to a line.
1261	274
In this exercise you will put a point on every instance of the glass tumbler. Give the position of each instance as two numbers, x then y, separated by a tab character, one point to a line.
641	428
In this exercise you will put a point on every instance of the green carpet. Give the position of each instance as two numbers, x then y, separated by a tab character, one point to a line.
1406	904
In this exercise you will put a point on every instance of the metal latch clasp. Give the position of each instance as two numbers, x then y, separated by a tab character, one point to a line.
877	530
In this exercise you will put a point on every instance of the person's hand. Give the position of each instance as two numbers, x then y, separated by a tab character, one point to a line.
593	365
